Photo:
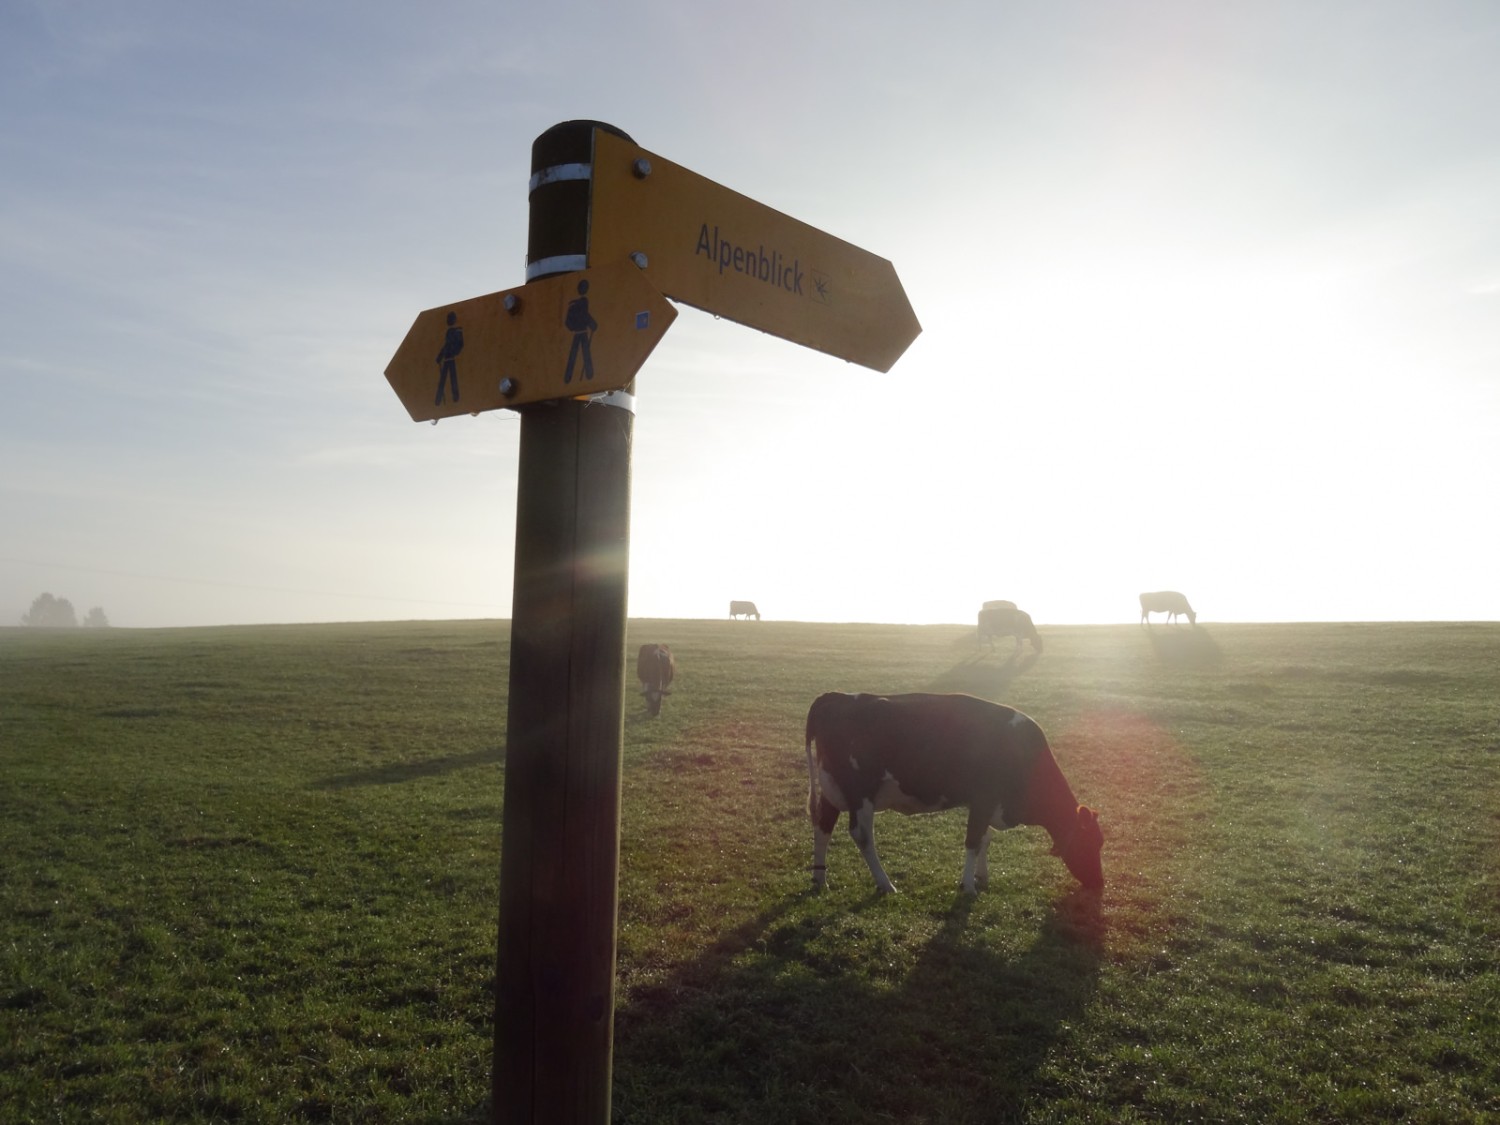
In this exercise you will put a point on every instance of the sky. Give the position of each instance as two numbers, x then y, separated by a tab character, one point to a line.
1210	297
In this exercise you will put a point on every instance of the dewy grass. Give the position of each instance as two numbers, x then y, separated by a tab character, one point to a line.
250	874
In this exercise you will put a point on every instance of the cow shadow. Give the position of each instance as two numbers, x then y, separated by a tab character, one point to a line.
778	1021
1184	647
396	772
978	674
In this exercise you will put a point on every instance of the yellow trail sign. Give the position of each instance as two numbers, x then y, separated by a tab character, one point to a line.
567	336
715	249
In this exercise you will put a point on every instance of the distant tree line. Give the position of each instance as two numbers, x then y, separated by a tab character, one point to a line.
48	612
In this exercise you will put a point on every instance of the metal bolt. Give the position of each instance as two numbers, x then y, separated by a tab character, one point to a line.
641	167
512	303
639	259
508	387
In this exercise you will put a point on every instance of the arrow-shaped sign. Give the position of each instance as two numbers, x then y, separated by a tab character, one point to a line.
720	251
560	337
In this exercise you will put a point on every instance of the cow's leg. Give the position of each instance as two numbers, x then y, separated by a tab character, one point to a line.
982	867
862	832
997	823
824	816
977	849
977	864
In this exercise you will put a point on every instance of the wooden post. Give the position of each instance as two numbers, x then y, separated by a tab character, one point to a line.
555	962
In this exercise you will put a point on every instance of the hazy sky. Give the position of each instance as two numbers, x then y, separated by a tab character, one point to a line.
1210	297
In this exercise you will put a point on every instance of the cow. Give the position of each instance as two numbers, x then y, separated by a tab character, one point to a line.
925	753
1169	602
744	609
1003	619
655	667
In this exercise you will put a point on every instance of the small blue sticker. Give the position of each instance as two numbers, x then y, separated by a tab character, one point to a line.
642	320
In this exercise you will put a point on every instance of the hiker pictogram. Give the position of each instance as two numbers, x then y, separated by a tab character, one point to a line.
447	358
581	324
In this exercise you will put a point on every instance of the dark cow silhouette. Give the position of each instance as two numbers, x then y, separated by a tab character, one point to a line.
655	668
1169	602
1003	619
925	753
744	609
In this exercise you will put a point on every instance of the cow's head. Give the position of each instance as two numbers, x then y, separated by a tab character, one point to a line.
1080	851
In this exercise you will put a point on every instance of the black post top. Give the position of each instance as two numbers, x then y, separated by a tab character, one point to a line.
569	142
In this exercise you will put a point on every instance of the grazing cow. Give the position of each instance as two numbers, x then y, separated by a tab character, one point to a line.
1169	602
1003	619
924	753
744	609
655	667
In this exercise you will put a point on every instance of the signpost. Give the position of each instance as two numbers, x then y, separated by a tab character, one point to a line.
717	250
612	228
571	334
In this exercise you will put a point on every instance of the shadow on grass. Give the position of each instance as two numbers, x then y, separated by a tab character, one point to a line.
397	772
982	675
1190	647
779	1021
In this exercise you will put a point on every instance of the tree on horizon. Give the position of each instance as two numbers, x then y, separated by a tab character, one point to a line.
48	612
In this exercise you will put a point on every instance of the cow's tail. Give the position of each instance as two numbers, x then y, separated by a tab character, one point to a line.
814	791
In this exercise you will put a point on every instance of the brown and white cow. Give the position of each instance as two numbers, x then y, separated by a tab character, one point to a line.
744	609
1003	619
925	753
1169	602
655	668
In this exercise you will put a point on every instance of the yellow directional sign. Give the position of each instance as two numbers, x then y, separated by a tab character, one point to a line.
720	251
561	337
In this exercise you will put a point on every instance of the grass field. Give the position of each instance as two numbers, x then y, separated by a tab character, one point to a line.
250	874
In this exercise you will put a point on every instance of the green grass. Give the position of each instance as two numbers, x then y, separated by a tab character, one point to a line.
250	874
